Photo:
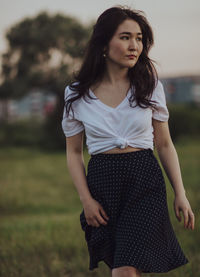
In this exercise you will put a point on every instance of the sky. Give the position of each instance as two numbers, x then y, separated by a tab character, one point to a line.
175	23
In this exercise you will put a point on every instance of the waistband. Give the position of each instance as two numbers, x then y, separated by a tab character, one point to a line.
123	154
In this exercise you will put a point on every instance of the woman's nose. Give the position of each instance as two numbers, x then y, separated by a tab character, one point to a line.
133	44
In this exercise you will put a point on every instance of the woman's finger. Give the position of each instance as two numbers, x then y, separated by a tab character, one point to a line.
95	223
185	214
177	212
192	219
101	220
104	213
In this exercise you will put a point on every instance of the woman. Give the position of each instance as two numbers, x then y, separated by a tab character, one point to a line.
120	103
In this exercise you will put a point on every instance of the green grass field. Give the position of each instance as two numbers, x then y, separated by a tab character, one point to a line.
40	233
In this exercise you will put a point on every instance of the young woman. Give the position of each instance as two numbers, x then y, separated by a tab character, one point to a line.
117	99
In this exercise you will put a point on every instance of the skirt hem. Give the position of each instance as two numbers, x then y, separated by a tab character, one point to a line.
96	265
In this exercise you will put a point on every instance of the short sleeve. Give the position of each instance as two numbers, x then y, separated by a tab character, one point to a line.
158	95
70	126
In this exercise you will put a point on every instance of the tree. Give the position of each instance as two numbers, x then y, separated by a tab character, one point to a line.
43	52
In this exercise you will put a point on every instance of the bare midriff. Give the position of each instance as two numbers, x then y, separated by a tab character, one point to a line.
123	150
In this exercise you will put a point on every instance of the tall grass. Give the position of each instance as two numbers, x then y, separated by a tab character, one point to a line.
40	233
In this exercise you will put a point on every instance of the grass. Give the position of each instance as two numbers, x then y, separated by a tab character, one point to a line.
40	233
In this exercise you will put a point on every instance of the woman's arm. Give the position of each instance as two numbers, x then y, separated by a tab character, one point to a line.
76	166
169	159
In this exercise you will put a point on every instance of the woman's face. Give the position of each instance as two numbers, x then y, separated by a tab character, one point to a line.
126	45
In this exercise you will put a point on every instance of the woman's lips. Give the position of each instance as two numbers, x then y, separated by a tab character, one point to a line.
131	57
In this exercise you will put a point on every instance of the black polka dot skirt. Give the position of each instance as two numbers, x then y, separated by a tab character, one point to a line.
132	190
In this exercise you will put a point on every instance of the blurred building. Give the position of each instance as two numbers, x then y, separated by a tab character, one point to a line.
36	104
184	89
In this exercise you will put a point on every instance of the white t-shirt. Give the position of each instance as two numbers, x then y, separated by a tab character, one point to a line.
106	127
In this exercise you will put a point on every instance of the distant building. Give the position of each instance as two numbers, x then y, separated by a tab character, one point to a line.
35	104
196	93
182	89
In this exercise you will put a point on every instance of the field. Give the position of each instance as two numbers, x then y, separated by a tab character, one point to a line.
40	233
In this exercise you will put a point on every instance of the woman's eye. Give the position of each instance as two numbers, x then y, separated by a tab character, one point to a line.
125	37
140	39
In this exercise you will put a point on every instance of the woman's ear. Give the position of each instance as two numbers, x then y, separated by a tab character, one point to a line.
105	50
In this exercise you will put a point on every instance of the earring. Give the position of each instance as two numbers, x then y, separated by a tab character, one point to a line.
104	55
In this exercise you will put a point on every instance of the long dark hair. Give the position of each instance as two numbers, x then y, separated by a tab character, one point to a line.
143	76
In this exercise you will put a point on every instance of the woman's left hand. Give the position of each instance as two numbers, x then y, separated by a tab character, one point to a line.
181	203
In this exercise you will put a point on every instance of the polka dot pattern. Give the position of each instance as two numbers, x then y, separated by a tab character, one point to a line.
132	190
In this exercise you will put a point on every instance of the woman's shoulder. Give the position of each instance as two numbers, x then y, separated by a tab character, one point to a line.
158	92
69	92
159	86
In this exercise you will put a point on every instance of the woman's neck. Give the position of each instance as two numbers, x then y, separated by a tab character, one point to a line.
115	75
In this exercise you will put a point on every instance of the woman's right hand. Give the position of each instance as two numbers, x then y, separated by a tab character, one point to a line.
94	213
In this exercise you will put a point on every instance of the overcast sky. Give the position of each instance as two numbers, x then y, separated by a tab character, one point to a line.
176	25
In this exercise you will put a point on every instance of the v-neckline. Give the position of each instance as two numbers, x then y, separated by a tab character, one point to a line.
107	106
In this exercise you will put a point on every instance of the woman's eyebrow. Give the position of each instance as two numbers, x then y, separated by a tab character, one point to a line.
128	33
